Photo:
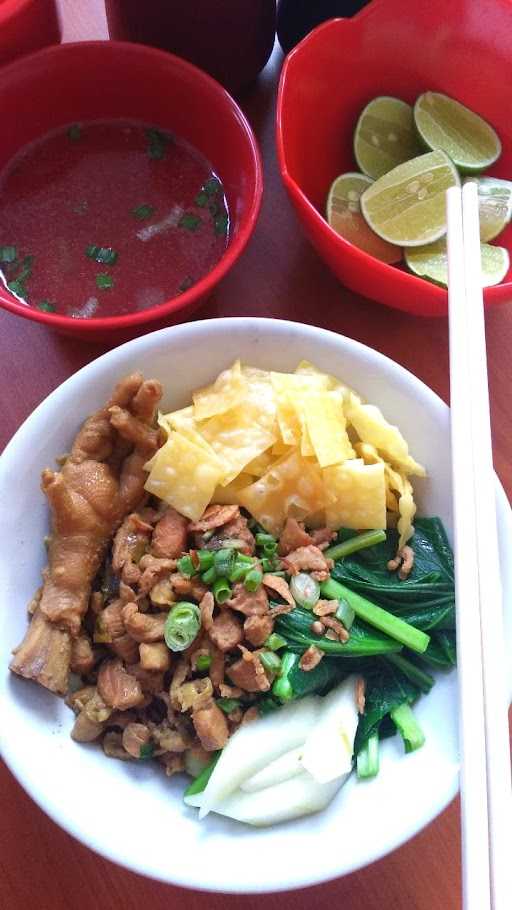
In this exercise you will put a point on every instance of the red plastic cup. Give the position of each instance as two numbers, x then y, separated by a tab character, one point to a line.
27	25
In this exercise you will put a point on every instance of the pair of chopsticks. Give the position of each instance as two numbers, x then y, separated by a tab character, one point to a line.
485	779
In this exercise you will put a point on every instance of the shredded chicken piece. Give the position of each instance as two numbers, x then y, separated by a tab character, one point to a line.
325	607
238	529
82	655
214	517
179	676
109	624
248	673
96	602
170	535
360	693
143	627
217	667
44	655
280	610
404	561
118	688
196	694
77	700
112	744
258	628
135	737
91	719
251	714
153	569
129	541
280	586
172	762
85	730
229	691
126	648
206	607
311	658
154	656
308	559
151	681
188	587
322	537
293	537
317	627
226	631
34	601
335	626
170	739
250	603
211	727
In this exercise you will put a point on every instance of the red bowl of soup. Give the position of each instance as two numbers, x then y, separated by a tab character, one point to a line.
130	183
26	25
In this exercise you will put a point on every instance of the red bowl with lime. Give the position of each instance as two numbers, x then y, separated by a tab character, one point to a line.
326	83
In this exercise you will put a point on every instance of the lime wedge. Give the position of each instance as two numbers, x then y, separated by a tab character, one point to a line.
431	262
443	123
407	206
495	205
385	136
344	216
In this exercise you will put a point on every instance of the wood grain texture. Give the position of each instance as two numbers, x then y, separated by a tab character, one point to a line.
279	276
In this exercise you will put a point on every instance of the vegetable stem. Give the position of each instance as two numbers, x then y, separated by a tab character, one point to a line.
386	622
408	727
368	758
360	542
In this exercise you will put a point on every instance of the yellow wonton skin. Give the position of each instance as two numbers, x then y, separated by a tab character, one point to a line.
230	494
326	427
292	487
228	391
372	427
290	389
360	491
237	438
407	510
184	475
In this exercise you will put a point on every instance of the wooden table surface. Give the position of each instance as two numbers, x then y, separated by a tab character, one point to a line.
279	276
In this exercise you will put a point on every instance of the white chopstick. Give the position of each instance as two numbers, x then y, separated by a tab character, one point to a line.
486	792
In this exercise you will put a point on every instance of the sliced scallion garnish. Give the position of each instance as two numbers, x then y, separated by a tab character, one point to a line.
103	254
46	306
8	254
158	142
104	281
212	186
142	212
189	221
221	223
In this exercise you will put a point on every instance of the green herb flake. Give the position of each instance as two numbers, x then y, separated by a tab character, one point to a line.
46	306
75	132
221	222
201	199
212	186
103	254
17	287
142	212
7	254
189	221
104	281
158	143
186	284
147	750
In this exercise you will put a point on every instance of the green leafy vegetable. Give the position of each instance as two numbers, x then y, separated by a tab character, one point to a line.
8	254
189	221
147	750
408	727
201	199
296	683
142	212
270	661
74	132
295	628
368	758
441	653
203	662
386	689
424	681
104	281
199	783
46	306
212	186
228	704
104	254
353	544
158	142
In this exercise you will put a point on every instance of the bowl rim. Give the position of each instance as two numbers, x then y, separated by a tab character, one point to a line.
216	329
364	261
235	247
11	8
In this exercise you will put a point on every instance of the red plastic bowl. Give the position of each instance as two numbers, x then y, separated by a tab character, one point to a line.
26	25
388	49
102	79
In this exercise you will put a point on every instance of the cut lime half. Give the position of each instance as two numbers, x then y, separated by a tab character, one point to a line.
444	123
431	262
344	216
385	136
494	205
408	205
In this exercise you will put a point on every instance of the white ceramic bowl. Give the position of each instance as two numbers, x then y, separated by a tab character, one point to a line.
103	802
